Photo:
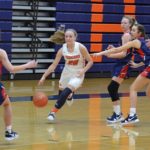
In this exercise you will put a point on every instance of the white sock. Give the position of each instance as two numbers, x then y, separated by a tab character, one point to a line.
117	109
132	111
9	128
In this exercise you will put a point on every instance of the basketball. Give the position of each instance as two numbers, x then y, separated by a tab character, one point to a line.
40	99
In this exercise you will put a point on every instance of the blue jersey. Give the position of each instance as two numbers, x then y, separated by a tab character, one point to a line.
122	66
146	52
127	58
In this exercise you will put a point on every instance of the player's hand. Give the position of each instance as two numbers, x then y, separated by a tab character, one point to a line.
32	64
41	81
133	64
110	46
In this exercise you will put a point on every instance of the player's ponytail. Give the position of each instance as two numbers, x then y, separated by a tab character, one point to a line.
59	35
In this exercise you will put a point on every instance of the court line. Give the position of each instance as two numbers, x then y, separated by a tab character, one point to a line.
76	96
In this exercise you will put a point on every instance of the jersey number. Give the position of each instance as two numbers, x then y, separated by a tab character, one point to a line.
73	62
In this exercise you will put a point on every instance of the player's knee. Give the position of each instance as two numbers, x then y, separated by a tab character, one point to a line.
109	88
113	86
113	90
74	83
6	102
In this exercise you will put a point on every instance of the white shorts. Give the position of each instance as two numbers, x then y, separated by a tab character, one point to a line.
70	78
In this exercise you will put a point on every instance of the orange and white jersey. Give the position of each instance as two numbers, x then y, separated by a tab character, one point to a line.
73	60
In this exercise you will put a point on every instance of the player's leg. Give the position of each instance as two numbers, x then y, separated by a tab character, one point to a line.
73	84
148	90
138	84
5	102
76	83
69	98
119	74
113	92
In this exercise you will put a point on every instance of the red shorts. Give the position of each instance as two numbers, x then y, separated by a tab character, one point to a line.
3	94
146	72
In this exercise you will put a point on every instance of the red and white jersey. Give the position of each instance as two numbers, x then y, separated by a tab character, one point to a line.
73	60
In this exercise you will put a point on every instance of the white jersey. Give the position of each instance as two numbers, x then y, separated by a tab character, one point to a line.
73	60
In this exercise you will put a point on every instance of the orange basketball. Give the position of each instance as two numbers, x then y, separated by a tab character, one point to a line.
40	99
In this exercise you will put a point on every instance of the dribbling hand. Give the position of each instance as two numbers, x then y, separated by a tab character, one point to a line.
41	81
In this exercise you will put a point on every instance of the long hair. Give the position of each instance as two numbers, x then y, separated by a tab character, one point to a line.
59	36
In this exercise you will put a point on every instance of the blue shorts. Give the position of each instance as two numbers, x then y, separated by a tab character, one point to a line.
121	70
146	72
3	94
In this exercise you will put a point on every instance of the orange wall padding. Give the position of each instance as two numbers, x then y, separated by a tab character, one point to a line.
97	8
129	1
96	17
129	9
106	28
96	0
96	47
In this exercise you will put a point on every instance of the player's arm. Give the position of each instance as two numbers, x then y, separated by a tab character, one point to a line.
11	68
125	38
135	44
136	65
87	57
52	67
118	55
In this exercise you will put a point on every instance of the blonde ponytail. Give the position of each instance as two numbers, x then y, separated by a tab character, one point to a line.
59	35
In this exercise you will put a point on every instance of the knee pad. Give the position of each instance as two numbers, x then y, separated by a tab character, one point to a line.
62	98
113	90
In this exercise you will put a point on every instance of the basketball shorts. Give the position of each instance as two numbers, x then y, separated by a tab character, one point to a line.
146	72
3	94
70	78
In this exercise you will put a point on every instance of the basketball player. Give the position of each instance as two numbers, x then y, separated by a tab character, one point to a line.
75	55
4	99
143	79
121	69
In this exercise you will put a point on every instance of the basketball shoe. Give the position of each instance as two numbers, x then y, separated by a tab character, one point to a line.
114	118
51	116
130	119
11	135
